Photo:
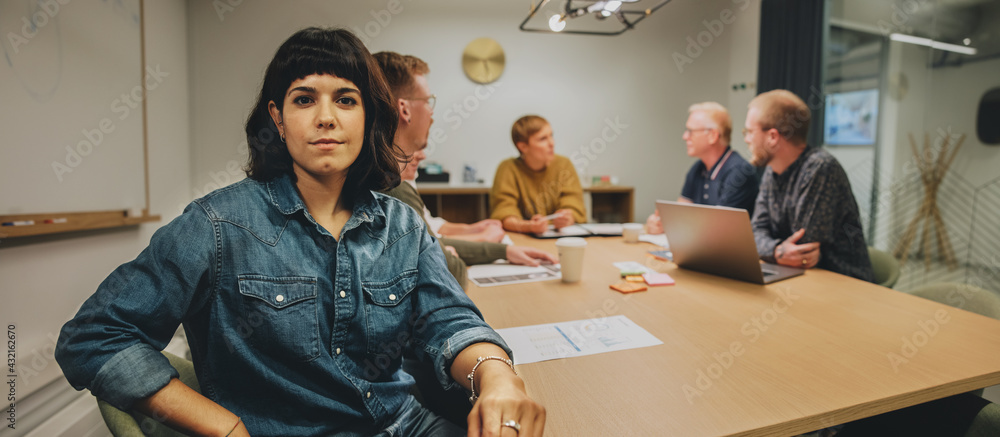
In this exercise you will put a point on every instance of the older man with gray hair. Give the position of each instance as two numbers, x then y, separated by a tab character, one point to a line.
720	176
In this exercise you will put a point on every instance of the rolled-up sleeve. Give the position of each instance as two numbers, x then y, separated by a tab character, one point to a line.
112	344
447	321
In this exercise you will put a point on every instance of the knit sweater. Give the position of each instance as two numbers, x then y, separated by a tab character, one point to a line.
522	192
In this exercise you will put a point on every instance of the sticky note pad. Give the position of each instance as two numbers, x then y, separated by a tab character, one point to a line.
628	287
635	278
627	273
654	278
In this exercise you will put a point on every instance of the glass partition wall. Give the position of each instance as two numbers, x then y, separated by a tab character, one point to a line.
904	82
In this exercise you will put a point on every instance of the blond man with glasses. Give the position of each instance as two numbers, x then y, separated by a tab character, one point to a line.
720	176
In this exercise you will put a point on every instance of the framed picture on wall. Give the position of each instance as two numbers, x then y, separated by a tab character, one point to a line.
851	118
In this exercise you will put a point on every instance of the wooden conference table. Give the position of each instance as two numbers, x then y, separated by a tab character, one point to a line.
738	358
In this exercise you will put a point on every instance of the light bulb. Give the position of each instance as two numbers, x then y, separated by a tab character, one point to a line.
556	23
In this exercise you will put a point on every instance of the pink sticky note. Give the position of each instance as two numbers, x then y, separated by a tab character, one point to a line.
654	278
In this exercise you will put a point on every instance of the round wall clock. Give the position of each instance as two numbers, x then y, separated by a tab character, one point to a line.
483	60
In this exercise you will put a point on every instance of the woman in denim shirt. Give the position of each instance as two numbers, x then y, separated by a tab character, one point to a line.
299	288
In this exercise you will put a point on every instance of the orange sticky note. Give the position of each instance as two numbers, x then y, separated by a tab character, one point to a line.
628	287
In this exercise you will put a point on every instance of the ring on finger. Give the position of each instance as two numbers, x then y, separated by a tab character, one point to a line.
513	424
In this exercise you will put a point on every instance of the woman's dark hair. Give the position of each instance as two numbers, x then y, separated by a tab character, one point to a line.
339	53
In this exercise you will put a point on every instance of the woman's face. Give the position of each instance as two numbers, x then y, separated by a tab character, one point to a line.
539	151
323	123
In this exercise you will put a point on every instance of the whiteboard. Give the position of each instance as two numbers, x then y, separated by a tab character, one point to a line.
71	82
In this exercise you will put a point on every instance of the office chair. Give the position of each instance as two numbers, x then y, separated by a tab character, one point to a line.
885	266
966	297
133	423
962	296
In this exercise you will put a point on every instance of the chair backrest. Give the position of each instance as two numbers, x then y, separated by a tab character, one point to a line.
962	296
884	266
133	423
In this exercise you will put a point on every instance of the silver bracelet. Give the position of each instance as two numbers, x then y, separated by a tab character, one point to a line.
472	375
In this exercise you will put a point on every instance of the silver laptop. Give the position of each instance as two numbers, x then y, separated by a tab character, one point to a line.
717	240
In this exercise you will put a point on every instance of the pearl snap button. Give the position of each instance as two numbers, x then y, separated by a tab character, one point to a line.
338	351
392	297
342	293
279	298
369	394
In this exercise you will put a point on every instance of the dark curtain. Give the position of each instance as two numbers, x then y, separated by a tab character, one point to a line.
791	54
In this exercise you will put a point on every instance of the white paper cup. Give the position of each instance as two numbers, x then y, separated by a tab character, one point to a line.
571	257
631	231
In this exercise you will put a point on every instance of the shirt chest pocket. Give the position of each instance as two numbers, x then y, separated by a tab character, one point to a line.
388	309
281	315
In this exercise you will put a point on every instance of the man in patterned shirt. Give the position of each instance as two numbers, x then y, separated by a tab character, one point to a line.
805	215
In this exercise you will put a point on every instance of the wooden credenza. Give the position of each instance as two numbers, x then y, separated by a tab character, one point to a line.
470	203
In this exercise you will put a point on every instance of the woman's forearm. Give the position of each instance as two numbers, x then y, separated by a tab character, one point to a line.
181	408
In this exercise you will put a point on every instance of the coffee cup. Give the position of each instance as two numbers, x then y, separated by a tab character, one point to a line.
631	231
571	257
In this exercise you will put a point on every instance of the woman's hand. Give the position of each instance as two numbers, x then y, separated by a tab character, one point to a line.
502	397
537	224
504	400
564	219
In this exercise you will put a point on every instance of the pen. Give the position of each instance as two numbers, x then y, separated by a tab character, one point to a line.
19	223
55	220
551	216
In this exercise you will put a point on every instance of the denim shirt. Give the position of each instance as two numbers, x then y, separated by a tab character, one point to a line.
295	331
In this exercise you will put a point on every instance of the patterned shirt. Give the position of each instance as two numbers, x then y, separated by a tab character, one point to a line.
813	194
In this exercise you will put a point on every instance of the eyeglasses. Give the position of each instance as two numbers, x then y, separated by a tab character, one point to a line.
431	100
692	131
762	129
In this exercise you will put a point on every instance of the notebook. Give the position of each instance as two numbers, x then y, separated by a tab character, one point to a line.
583	230
717	240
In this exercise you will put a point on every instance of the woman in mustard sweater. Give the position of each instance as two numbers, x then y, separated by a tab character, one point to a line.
537	183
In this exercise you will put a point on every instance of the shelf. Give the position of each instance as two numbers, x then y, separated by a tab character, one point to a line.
68	222
469	203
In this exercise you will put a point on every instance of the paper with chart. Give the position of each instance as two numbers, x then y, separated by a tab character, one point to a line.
504	273
551	341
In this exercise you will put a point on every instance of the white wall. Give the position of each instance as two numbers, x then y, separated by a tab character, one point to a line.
743	69
580	83
954	100
44	283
